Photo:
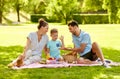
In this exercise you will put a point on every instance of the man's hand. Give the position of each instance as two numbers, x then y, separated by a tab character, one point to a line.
72	53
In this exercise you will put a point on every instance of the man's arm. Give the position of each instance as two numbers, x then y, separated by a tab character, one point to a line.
80	49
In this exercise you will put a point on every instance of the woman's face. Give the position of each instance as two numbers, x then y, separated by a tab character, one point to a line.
44	29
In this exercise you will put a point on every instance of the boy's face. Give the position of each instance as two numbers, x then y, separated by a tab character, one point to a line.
54	36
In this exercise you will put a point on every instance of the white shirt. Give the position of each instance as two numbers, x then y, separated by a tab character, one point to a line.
37	46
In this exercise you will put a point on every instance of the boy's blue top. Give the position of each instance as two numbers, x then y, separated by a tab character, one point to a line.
54	48
82	38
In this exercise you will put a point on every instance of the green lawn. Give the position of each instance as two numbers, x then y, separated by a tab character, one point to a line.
13	38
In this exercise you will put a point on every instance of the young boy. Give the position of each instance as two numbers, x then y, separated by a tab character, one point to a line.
54	45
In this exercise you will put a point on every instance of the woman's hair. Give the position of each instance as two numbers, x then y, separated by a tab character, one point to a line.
73	23
54	30
42	23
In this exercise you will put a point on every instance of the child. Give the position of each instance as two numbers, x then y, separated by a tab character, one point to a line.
54	45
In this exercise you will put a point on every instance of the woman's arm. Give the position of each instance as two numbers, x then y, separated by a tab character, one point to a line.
26	46
47	51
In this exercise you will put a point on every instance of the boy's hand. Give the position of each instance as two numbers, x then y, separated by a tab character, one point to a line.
62	48
61	38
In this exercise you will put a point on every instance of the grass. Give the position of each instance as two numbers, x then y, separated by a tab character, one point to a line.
13	39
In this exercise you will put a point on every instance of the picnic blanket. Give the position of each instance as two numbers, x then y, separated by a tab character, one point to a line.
64	64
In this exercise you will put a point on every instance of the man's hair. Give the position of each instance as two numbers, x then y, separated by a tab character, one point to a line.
73	23
54	30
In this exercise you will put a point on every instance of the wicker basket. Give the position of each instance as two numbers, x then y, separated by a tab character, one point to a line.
70	58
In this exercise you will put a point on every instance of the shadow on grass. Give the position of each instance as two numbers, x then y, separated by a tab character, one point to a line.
7	54
112	54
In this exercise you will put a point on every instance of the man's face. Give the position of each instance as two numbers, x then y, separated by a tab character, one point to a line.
72	29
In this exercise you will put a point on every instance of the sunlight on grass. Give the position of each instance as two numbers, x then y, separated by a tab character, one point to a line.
106	35
101	75
116	77
106	76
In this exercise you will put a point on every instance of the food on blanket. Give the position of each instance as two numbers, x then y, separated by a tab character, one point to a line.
48	56
43	62
51	58
51	61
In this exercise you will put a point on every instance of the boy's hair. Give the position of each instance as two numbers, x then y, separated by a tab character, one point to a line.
54	30
73	23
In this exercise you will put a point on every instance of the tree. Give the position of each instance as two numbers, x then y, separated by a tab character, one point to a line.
4	4
36	6
1	5
92	5
17	6
62	9
112	6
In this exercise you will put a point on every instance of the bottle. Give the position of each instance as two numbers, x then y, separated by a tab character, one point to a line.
48	56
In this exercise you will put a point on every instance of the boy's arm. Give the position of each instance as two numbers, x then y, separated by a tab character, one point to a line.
62	40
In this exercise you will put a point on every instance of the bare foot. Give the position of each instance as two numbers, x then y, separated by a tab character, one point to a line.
19	61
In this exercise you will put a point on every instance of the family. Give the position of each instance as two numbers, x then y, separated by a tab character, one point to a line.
38	41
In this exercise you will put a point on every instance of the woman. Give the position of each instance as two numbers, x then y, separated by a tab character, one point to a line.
36	42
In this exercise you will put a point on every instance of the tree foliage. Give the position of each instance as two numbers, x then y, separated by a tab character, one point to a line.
36	6
92	5
113	7
18	5
62	9
4	8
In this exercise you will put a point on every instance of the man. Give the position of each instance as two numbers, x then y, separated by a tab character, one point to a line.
82	44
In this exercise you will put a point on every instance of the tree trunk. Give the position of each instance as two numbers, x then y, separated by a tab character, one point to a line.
18	12
1	12
0	17
110	16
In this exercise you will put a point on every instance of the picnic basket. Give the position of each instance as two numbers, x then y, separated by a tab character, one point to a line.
70	57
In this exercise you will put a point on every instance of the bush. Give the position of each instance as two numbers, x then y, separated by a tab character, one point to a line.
91	18
36	17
